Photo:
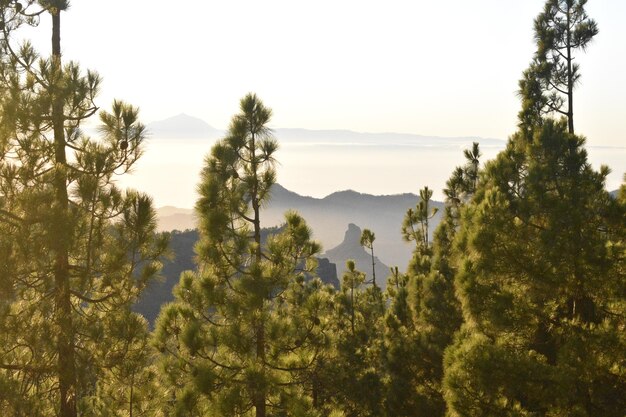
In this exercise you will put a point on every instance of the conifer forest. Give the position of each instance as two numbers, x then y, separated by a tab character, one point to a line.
513	305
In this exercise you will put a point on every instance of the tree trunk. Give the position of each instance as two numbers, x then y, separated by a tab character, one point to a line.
132	393
259	400
373	267
65	342
352	305
570	81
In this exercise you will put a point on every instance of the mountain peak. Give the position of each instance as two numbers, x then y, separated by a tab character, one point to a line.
351	248
182	126
353	234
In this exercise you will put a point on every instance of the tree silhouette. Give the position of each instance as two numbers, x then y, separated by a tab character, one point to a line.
547	86
367	240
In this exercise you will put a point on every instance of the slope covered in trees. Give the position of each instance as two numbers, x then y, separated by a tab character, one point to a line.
181	258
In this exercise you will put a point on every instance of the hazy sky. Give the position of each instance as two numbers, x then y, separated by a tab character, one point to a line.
443	68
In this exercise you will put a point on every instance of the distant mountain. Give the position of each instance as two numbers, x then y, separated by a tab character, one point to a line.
341	137
351	248
182	126
172	211
160	292
330	216
174	218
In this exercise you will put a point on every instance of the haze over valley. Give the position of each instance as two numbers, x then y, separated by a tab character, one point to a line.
320	162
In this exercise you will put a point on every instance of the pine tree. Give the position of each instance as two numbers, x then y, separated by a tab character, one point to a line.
353	369
415	228
128	387
439	316
542	276
76	249
548	84
415	225
245	326
425	314
472	166
400	359
403	357
367	241
541	286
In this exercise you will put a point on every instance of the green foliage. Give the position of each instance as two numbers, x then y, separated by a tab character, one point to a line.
367	241
129	384
367	238
541	286
75	250
548	84
424	313
351	373
472	167
516	307
246	328
415	224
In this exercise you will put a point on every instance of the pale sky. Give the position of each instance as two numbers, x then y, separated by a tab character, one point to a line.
439	68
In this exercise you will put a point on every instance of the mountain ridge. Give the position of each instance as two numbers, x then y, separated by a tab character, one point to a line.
191	127
330	216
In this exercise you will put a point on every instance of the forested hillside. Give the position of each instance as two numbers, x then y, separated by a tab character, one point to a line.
513	301
182	258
